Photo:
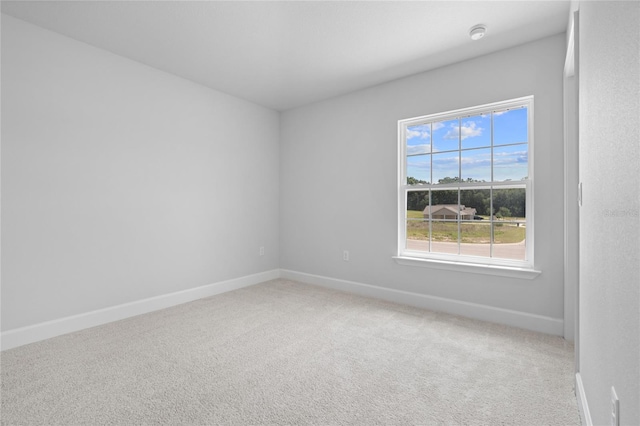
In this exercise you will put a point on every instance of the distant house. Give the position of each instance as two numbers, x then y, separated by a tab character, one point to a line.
449	211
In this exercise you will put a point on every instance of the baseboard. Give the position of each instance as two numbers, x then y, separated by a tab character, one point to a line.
34	333
509	317
583	406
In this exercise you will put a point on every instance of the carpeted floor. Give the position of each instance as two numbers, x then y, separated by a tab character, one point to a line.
287	353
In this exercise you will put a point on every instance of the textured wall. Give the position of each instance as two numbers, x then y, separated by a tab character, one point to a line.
339	173
121	182
609	77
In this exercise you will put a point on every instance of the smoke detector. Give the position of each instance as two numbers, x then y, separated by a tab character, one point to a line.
477	32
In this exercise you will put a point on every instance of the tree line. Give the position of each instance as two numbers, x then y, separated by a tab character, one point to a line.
508	202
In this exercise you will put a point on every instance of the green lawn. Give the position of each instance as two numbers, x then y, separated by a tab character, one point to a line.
478	232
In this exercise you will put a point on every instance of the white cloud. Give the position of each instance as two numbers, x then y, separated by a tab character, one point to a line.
418	149
468	130
422	164
421	131
505	159
439	161
484	160
413	134
510	154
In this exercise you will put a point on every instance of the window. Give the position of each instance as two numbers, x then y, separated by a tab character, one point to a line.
465	190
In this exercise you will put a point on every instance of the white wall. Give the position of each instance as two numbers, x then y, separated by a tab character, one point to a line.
609	79
121	182
339	172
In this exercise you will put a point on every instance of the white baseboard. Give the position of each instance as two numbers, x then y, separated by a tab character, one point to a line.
34	333
509	317
583	406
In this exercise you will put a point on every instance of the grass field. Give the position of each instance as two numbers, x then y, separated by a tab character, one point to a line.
478	232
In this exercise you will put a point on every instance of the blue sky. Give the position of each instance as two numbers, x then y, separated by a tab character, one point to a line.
474	136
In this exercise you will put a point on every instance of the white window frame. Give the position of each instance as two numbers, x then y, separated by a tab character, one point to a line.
486	265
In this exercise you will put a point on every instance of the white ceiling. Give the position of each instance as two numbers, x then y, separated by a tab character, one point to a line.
284	54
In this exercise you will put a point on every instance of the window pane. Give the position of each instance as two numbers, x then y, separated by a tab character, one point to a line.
509	240
448	197
475	238
510	163
445	167
444	211
417	201
444	237
417	224
509	231
475	131
509	204
478	200
475	226
418	169
417	235
445	135
418	139
510	126
476	165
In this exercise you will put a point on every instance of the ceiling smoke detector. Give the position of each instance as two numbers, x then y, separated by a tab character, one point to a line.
477	32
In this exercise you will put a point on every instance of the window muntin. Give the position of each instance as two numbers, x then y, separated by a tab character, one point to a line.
465	185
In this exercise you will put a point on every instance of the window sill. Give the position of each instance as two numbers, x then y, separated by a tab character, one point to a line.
473	268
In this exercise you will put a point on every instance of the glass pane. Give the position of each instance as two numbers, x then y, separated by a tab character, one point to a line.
475	226
444	211
478	200
509	204
509	230
509	240
418	169
510	163
476	165
419	139
445	167
475	131
444	198
444	237
417	202
510	126
445	135
417	224
417	234
475	238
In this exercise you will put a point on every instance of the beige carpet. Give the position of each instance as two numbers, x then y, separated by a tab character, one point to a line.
288	353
